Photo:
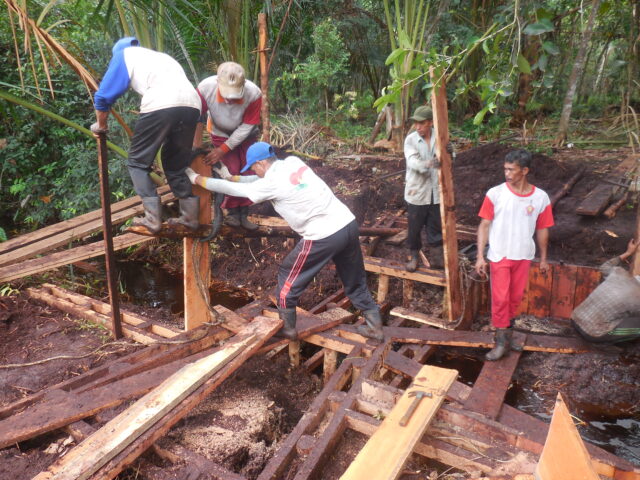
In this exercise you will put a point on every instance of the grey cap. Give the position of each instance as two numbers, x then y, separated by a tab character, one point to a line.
231	80
422	113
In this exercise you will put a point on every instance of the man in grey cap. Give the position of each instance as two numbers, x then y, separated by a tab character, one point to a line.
233	104
421	191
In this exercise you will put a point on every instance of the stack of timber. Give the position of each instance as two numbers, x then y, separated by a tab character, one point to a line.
17	254
468	428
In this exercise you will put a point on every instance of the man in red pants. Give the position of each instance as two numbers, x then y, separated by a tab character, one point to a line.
511	213
233	104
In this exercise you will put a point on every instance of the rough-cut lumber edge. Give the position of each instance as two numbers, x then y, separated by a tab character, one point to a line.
419	317
564	455
310	469
308	325
490	388
59	234
453	288
59	259
512	426
392	444
395	269
457	338
259	331
103	308
309	421
152	356
91	315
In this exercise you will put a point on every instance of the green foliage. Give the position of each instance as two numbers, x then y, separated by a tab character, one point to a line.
325	68
7	290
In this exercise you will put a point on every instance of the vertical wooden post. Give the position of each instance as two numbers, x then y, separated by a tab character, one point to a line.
294	353
383	287
196	308
635	269
447	202
329	365
114	297
264	76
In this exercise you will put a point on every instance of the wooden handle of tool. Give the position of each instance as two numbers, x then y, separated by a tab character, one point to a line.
412	408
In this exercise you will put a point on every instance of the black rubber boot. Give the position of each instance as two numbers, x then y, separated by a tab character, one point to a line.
152	219
233	217
436	257
288	316
514	347
502	345
373	328
189	210
244	221
412	264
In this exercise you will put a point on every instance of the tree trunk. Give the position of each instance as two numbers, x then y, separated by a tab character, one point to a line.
576	73
264	77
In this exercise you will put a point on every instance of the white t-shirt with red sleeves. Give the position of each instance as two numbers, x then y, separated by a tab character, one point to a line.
514	220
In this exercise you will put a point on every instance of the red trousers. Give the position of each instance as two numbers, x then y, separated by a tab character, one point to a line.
508	281
234	161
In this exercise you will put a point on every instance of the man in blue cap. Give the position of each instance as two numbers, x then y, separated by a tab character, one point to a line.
169	112
328	229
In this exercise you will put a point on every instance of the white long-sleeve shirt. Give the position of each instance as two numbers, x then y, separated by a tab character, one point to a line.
302	198
421	180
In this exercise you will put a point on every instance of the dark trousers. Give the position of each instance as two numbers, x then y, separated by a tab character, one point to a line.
427	216
309	256
173	130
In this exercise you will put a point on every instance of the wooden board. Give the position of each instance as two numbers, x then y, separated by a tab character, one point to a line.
491	386
88	457
72	255
63	233
418	317
596	200
564	455
540	290
563	291
392	444
457	338
587	279
396	269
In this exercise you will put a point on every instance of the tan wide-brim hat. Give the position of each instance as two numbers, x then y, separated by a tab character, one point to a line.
231	80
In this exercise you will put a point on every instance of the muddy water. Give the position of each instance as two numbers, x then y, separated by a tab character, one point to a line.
610	429
601	425
150	285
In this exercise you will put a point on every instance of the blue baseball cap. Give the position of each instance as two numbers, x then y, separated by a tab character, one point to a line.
256	152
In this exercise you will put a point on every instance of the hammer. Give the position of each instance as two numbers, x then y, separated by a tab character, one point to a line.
419	394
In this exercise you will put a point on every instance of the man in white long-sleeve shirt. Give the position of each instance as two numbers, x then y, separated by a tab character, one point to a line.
328	229
421	191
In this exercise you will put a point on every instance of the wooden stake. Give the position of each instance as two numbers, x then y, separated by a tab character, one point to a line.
447	201
383	287
112	282
330	363
196	308
264	76
635	270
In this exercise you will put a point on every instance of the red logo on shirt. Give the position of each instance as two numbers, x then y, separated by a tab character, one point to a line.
529	210
296	177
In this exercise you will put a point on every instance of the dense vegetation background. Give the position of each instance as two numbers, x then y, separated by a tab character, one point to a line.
557	70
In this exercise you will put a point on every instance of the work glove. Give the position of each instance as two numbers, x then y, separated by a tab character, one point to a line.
95	128
191	174
222	171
